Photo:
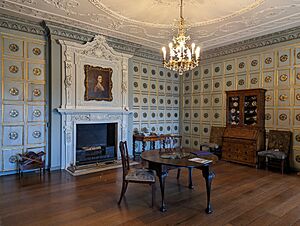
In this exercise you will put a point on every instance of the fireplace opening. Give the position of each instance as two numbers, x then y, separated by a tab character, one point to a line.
96	143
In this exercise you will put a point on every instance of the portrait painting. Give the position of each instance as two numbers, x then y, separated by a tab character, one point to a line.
98	83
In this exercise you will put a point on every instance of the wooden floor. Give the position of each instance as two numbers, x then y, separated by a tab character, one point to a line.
241	195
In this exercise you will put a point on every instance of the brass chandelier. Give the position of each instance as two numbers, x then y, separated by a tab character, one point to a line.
182	56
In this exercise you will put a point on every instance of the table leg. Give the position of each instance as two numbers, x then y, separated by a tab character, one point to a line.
208	175
191	186
163	207
161	174
144	146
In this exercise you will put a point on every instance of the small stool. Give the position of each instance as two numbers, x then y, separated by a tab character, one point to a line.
30	160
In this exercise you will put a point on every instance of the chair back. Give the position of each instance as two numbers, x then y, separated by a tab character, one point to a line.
216	135
124	157
280	140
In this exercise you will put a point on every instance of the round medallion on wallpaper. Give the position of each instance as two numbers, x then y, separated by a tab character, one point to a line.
283	97
36	71
36	92
268	60
268	116
36	51
36	113
229	67
13	47
13	135
254	63
228	83
36	134
254	81
283	117
241	65
13	113
13	69
283	58
268	79
298	117
241	82
14	91
268	98
283	77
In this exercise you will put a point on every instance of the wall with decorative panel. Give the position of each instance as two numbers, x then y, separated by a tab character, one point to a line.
23	98
276	69
155	97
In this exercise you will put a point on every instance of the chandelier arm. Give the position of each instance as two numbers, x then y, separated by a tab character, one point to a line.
181	16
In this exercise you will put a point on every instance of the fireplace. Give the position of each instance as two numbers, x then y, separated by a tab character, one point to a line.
96	143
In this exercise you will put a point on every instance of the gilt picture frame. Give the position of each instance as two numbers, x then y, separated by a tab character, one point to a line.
98	83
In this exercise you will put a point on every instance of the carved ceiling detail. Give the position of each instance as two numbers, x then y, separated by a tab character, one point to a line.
211	23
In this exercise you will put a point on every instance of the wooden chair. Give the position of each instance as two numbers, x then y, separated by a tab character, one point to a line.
132	175
215	141
279	145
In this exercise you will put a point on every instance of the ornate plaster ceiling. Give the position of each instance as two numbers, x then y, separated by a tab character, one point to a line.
211	23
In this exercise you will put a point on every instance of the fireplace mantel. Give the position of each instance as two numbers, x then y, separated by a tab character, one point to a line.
75	109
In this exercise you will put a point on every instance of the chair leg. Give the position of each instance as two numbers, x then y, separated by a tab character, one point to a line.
124	188
191	186
153	194
282	166
178	173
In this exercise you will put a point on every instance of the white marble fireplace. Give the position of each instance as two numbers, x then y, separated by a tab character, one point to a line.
75	108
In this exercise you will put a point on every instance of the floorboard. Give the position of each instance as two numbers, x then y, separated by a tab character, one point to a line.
241	195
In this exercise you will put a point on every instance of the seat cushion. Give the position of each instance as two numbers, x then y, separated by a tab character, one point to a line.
140	175
272	154
210	145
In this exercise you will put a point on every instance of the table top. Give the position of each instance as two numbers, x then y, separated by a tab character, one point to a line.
155	156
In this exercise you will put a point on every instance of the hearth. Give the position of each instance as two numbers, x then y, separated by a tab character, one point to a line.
95	143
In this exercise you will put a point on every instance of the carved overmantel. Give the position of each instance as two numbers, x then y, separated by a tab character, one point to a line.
75	109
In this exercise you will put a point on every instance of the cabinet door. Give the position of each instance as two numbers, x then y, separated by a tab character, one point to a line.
234	108
250	110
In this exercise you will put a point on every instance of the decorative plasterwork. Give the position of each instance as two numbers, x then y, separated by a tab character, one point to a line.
64	31
212	23
95	53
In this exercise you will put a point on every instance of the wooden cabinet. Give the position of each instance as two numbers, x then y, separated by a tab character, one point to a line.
245	126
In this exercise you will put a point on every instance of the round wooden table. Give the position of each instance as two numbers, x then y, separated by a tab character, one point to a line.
159	162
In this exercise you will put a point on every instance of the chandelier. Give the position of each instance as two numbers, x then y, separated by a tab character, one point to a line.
182	56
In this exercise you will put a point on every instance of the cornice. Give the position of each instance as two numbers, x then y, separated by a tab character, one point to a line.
253	43
64	31
21	25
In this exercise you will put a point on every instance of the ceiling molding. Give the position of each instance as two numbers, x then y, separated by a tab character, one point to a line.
23	25
258	42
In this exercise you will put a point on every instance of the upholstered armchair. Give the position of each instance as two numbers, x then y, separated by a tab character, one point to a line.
279	145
